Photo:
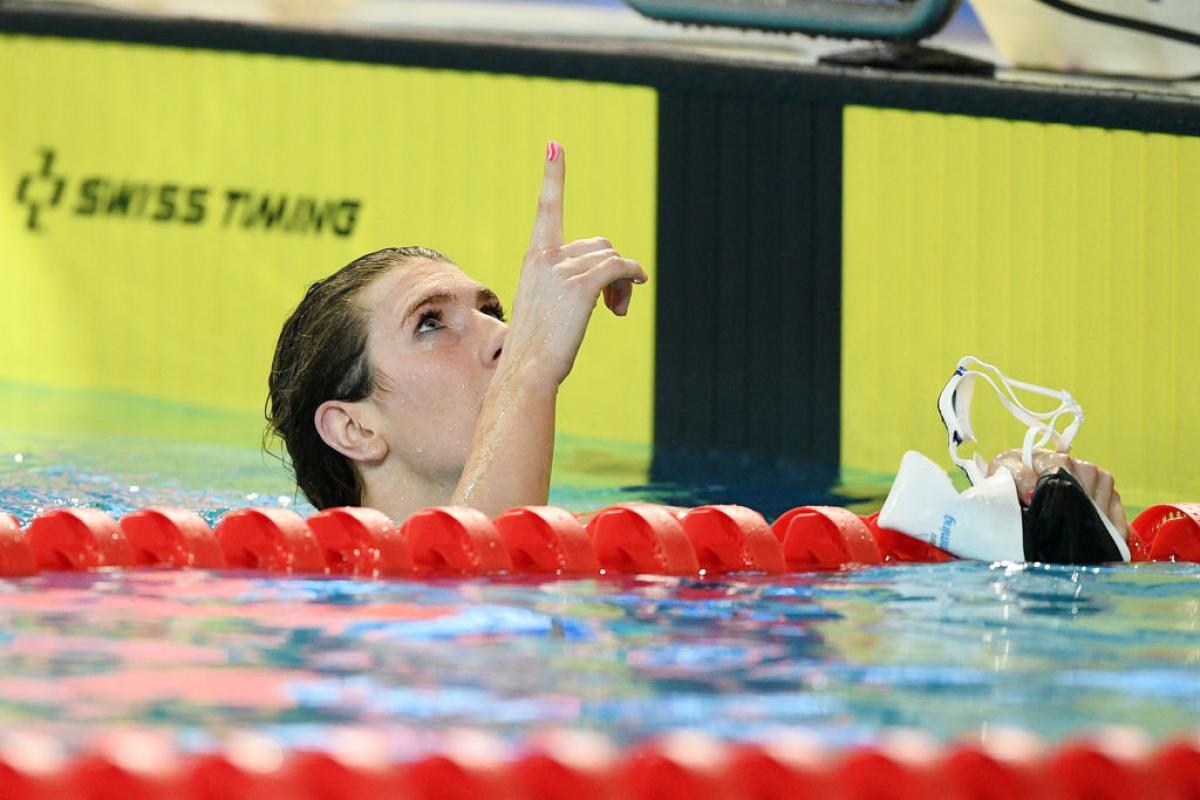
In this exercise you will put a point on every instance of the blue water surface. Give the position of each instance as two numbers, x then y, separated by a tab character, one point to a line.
949	649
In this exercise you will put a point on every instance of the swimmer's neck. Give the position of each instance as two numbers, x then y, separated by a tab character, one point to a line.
396	490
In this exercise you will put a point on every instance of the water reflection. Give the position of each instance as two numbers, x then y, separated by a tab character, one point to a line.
946	648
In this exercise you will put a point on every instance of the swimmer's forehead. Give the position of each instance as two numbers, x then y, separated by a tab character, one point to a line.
397	291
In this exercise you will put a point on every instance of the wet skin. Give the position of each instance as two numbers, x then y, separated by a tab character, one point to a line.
463	407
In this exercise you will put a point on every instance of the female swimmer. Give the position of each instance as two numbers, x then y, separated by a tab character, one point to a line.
396	383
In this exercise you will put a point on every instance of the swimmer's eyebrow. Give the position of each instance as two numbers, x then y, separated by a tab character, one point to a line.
436	297
485	297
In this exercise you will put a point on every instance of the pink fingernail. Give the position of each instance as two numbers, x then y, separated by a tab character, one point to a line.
552	151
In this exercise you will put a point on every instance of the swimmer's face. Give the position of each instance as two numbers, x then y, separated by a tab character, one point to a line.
434	338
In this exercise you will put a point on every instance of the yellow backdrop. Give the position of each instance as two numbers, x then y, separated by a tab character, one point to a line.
1066	255
159	206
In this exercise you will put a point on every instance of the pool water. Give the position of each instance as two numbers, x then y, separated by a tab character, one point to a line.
947	648
119	453
950	649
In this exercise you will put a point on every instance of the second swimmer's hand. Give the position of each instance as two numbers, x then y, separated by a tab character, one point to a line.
560	283
1097	482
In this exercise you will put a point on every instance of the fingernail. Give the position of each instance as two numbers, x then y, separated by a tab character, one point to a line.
639	281
552	151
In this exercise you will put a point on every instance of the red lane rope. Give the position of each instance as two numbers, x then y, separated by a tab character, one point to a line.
630	538
580	765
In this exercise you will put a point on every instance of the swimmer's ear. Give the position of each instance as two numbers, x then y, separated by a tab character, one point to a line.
340	425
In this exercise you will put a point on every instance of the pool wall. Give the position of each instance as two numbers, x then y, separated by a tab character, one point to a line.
824	243
170	205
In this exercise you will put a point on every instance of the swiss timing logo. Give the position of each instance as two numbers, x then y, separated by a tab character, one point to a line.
163	201
40	190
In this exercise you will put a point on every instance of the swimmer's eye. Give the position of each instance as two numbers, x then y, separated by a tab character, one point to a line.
494	310
430	320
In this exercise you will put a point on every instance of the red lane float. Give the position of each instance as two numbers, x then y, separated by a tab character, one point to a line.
470	763
270	539
895	546
127	763
216	777
729	538
1176	771
440	778
1138	549
544	777
634	538
98	777
321	775
825	537
361	542
869	774
455	540
76	539
26	786
545	539
564	765
685	764
968	773
32	767
779	769
1080	771
1169	532
16	556
171	537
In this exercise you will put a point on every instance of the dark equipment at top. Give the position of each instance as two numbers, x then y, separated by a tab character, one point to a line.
898	24
888	20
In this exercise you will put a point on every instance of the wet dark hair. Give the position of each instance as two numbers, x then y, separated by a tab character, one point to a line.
322	355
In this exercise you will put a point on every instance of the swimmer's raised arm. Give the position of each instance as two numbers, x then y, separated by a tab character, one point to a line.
512	448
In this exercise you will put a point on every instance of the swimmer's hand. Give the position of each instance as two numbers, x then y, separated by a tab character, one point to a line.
560	283
513	445
1097	482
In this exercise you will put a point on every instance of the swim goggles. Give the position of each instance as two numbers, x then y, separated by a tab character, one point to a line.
954	404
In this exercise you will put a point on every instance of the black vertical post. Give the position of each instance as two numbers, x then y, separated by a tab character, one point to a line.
747	375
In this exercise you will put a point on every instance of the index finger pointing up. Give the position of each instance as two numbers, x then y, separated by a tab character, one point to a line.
548	224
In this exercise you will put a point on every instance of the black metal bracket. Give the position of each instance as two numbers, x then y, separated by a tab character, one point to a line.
911	57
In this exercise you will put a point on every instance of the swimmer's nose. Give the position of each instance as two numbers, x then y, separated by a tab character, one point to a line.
493	343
